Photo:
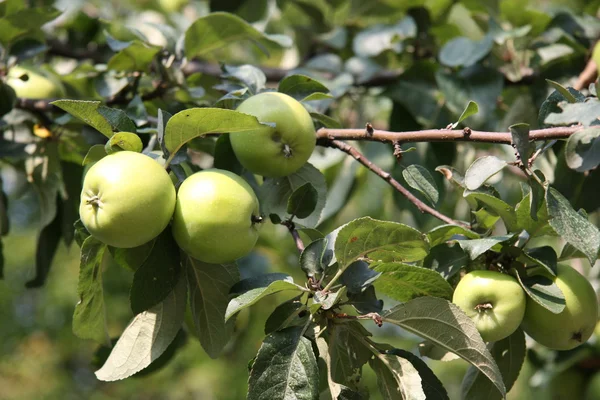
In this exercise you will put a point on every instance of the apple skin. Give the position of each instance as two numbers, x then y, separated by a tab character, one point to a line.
30	83
275	153
127	199
494	301
575	324
215	216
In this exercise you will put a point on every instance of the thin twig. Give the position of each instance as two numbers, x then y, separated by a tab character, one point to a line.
441	135
292	229
375	317
386	176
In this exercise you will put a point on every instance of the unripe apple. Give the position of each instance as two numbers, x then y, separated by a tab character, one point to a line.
278	152
127	199
32	83
493	300
575	324
216	216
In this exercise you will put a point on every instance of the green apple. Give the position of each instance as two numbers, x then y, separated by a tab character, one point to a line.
216	216
127	199
278	152
575	324
170	6
494	301
33	83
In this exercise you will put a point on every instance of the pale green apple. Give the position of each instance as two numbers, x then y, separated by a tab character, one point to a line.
127	199
216	216
33	83
280	151
575	324
493	300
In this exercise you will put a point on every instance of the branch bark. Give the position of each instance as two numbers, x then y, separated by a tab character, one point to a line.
386	176
440	135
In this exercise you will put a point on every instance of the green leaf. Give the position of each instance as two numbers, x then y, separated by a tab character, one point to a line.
561	89
285	368
326	121
286	315
132	258
274	194
147	336
315	257
249	76
471	109
195	122
358	276
443	233
550	105
432	387
7	99
571	226
537	226
26	22
404	282
462	51
209	286
397	378
520	138
89	319
379	241
317	97
94	154
418	178
445	325
477	247
543	291
509	354
347	351
575	113
303	201
157	275
446	260
225	157
206	34
80	233
481	170
254	289
301	86
343	354
90	112
366	301
138	56
378	38
582	152
496	206
123	141
47	243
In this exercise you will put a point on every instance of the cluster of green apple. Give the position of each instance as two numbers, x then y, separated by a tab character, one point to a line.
128	198
498	305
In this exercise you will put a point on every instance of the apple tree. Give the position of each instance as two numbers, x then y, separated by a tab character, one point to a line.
427	169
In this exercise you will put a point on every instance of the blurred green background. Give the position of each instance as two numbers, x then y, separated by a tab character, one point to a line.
40	358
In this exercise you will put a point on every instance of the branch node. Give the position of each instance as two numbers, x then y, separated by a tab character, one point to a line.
467	131
369	129
398	151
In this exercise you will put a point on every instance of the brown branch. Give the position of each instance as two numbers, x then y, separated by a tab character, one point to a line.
440	135
58	48
587	76
386	176
295	235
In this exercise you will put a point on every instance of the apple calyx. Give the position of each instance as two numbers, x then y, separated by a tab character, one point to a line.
256	219
287	151
94	201
577	336
483	307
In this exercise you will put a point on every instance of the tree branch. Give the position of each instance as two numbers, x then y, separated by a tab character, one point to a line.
440	135
386	176
295	235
